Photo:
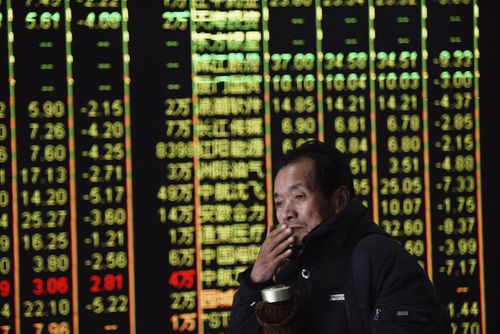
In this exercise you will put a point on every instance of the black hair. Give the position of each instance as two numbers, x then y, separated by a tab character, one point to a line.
330	167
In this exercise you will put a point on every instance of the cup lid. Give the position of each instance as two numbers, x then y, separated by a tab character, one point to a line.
276	293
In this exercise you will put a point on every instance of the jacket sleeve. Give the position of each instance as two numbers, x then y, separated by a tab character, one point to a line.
394	292
243	319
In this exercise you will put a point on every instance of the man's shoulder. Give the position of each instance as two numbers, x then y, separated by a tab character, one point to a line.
376	240
378	249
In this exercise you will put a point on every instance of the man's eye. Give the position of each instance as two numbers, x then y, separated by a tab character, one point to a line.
299	196
278	204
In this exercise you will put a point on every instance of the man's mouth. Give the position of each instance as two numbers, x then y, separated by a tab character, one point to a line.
297	231
296	226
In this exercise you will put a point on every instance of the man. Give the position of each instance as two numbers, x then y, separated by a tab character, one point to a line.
348	276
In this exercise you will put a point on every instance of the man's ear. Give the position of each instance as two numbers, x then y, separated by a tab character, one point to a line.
341	197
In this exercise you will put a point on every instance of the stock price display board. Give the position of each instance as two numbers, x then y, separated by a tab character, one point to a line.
138	142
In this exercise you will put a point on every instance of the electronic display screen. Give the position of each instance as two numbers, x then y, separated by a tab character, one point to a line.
139	139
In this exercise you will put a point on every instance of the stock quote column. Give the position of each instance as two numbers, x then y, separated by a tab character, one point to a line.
455	168
8	225
46	280
103	193
175	189
292	47
230	183
399	118
346	87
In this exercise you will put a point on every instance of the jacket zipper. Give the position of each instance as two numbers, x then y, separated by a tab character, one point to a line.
377	314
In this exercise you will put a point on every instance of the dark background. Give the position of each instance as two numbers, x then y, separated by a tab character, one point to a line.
147	91
490	140
144	69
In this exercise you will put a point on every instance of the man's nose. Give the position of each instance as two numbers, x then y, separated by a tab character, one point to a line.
290	212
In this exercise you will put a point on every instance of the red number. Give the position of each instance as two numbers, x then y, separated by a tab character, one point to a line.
109	282
52	286
4	288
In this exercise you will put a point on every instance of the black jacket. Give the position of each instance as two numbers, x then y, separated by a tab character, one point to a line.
350	277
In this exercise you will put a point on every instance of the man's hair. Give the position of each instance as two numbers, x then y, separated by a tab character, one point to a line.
330	168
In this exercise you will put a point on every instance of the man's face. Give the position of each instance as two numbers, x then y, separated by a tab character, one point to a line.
299	202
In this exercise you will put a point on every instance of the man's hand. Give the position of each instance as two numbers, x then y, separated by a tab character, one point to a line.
274	250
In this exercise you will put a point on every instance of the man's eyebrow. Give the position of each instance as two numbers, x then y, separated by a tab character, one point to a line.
293	187
298	185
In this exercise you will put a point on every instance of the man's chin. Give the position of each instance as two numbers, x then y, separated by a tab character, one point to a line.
298	233
296	249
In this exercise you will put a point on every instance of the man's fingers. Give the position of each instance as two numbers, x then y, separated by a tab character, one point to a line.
279	234
278	229
277	241
274	250
283	256
280	258
269	254
283	246
267	264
